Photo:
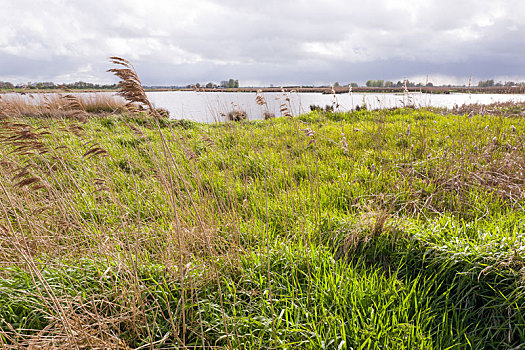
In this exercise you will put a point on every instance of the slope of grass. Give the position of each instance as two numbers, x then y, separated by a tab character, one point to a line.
370	229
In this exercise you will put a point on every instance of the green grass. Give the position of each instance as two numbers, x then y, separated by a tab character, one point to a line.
394	229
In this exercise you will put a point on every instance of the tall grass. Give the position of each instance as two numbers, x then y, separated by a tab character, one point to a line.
57	105
368	229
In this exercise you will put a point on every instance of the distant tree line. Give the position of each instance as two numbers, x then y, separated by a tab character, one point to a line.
489	83
336	84
232	83
388	83
51	85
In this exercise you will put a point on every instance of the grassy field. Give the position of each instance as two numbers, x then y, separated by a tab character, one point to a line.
394	229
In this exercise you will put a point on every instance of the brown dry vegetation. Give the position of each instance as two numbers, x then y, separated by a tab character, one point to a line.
58	105
508	109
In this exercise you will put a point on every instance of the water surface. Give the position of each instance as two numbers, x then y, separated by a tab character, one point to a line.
213	106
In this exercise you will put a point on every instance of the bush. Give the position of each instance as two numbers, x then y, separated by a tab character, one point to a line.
236	115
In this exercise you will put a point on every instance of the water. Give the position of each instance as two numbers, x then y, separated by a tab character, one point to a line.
213	106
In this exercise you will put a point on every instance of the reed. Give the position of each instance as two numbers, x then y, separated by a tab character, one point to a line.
58	105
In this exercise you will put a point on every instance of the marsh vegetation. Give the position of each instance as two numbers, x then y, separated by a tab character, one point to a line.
396	229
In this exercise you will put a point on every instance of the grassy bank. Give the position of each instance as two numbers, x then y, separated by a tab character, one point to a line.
393	229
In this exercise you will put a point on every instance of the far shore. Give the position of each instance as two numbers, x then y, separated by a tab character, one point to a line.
323	90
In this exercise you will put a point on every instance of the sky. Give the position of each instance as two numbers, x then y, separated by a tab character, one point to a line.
279	42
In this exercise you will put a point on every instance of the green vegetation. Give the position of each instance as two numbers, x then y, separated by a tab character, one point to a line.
394	229
490	83
390	84
375	83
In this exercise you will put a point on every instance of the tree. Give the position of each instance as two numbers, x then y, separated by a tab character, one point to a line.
230	83
388	83
375	83
486	83
336	84
45	85
6	85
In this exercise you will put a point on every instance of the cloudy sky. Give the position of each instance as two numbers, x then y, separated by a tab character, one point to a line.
177	42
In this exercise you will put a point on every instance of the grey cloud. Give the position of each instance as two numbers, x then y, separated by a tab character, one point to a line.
179	42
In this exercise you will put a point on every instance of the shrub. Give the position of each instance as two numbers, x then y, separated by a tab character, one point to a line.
236	115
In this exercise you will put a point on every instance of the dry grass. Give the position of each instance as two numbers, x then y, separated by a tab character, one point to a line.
39	193
493	166
58	105
38	189
369	227
509	109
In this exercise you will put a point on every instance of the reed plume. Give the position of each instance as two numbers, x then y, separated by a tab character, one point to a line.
130	86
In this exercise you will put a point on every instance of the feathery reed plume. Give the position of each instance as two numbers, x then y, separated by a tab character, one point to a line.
261	101
130	86
24	140
335	103
77	107
259	98
285	107
351	94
